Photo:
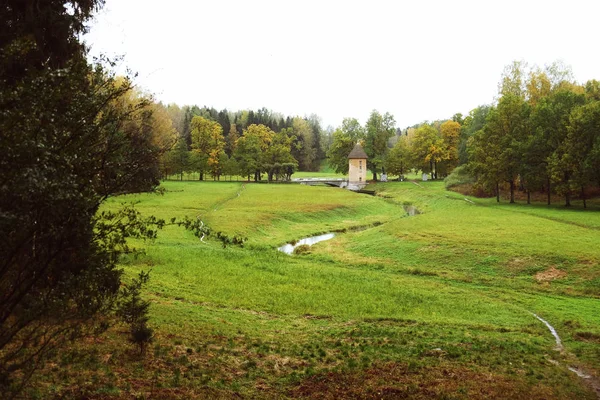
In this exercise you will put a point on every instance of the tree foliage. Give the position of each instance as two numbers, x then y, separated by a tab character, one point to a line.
72	135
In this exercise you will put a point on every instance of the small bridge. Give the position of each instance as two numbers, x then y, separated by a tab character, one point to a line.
339	182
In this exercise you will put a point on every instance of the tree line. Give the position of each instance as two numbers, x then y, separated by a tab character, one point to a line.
246	143
542	135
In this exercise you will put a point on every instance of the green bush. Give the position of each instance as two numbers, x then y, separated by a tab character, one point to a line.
460	176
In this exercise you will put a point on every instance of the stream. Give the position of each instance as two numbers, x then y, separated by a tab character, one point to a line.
289	248
560	347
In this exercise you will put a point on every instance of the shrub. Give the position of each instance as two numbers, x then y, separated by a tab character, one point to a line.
460	176
302	249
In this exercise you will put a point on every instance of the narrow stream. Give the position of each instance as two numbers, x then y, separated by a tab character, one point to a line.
289	248
560	347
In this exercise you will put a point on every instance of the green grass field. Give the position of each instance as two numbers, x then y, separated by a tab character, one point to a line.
436	305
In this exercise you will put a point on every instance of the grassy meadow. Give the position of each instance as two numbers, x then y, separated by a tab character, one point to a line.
436	305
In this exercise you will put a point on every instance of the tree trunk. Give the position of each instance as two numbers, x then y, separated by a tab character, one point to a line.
497	192
181	176
583	197
375	175
512	191
201	176
431	168
549	193
528	196
568	193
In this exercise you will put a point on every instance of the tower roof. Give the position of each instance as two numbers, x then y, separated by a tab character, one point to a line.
357	152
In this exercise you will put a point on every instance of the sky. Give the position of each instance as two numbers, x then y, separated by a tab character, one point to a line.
418	60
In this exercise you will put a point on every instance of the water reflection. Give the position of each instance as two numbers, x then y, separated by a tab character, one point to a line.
289	248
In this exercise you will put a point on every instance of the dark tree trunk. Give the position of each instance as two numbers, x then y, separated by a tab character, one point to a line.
497	192
568	193
583	197
375	175
549	193
528	196
201	176
431	168
512	191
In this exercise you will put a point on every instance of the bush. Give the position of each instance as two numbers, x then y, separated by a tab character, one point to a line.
460	176
302	249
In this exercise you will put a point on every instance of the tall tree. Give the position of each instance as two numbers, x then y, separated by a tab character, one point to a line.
343	141
304	150
207	144
450	133
427	148
471	124
506	130
69	141
398	160
250	147
379	129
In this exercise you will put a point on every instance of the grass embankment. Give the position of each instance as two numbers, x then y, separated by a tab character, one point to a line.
436	305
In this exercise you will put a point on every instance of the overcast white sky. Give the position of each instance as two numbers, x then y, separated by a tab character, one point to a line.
419	60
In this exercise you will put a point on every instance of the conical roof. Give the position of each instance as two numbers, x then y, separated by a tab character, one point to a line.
357	152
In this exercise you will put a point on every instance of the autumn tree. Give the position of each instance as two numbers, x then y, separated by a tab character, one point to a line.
450	134
427	148
207	144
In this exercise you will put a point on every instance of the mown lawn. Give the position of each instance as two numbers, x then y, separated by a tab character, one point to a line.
437	305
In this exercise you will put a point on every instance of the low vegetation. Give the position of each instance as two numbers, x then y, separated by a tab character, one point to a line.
435	305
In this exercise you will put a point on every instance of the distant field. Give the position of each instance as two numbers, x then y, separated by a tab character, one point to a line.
437	305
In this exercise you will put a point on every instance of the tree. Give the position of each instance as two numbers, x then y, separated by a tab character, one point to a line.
427	148
504	138
254	142
303	150
398	160
133	310
278	157
450	133
379	129
69	141
231	140
177	160
550	120
207	144
577	160
344	140
471	124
